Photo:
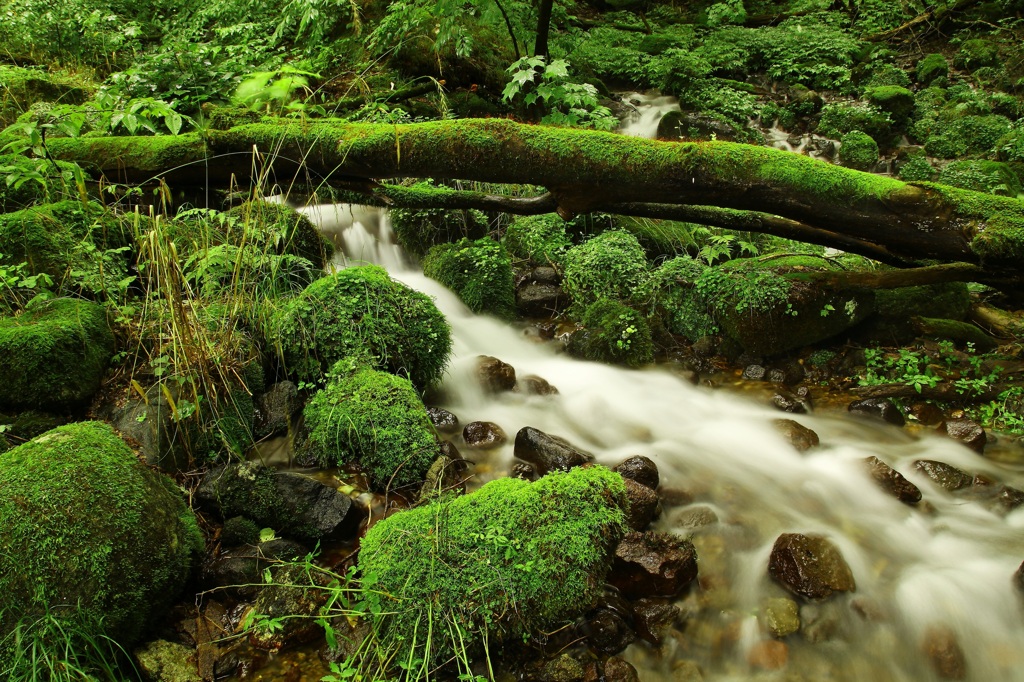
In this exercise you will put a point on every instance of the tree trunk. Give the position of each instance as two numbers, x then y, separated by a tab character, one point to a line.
540	46
587	171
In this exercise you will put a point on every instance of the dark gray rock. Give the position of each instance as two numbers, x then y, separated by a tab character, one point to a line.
652	617
536	299
545	274
1009	498
275	409
788	402
692	125
535	385
755	372
484	435
878	408
494	375
239	571
641	469
608	631
148	422
944	475
809	566
653	564
967	431
524	471
548	453
644	505
801	437
1018	578
293	504
443	420
892	481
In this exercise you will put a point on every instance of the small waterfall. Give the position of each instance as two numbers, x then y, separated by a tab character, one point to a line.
946	565
644	112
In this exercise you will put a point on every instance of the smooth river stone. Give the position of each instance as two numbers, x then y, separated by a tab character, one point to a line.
809	566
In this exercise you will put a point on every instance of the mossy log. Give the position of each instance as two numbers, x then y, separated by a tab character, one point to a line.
587	171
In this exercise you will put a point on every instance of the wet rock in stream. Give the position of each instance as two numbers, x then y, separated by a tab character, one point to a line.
164	661
809	566
944	475
801	437
275	409
641	469
966	431
547	452
768	654
609	628
535	385
295	607
892	481
239	570
878	408
484	435
443	420
652	617
653	564
789	402
944	653
780	616
644	505
1018	578
494	375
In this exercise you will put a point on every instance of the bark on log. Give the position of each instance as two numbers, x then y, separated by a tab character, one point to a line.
585	171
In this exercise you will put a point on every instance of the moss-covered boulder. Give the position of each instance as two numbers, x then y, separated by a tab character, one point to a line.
539	239
374	419
362	311
930	67
950	300
672	297
278	229
21	87
90	529
896	101
959	136
975	53
480	272
858	151
54	355
613	333
511	560
80	245
839	118
612	265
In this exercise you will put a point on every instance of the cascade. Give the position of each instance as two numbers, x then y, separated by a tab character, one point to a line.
943	566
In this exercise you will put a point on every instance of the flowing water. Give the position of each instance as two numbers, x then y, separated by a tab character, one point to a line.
945	565
644	111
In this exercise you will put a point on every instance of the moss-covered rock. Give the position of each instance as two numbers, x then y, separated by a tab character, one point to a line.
276	228
961	136
511	560
613	333
950	300
975	53
612	265
858	151
930	67
374	419
480	272
80	246
86	525
22	87
362	311
55	355
993	177
540	239
916	169
896	101
840	118
671	296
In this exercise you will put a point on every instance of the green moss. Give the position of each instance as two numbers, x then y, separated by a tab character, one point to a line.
886	75
540	239
958	137
670	295
155	154
275	228
896	101
916	169
21	87
419	229
480	272
69	242
840	118
975	53
376	420
992	177
362	310
513	559
55	355
930	67
950	301
611	265
613	333
238	530
86	525
858	151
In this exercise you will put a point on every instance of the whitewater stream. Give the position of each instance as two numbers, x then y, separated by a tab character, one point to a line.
945	566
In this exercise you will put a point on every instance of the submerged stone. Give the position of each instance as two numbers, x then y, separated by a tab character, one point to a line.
892	481
809	566
944	475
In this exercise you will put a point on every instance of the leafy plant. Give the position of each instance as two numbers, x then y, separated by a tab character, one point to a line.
277	91
536	81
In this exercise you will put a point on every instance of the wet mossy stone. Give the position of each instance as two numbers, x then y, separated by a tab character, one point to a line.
479	272
858	151
613	333
64	236
374	419
975	53
671	296
54	355
539	239
611	265
930	67
839	118
87	527
958	137
949	300
896	101
275	228
360	311
512	559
